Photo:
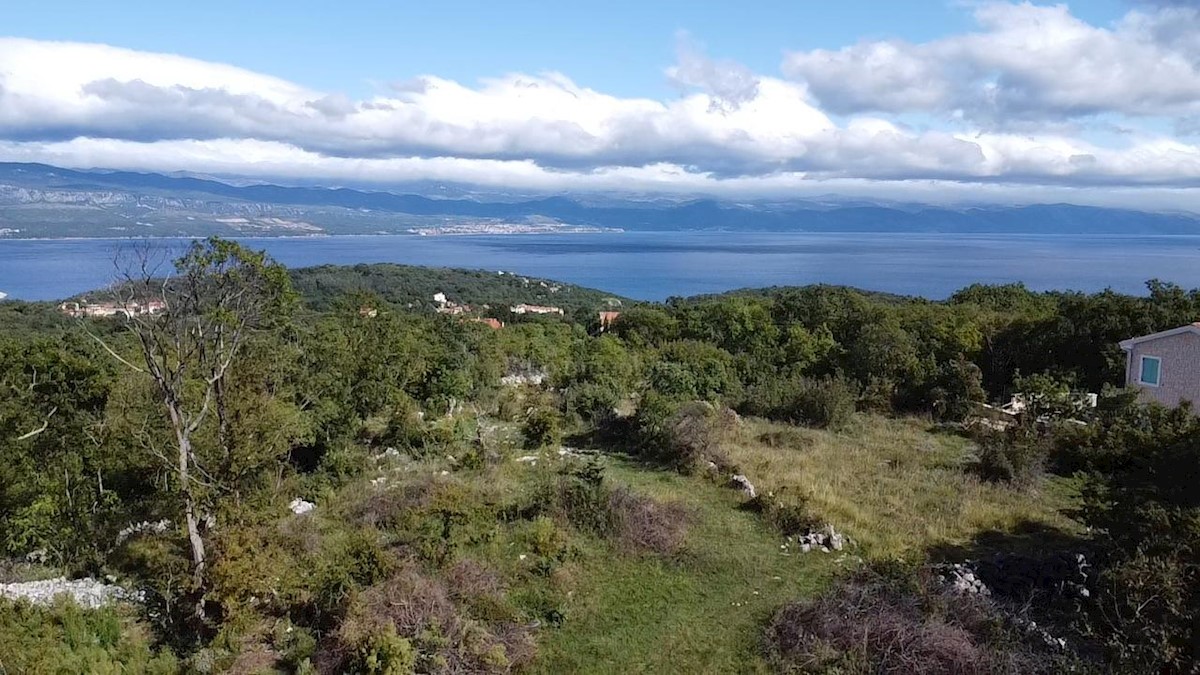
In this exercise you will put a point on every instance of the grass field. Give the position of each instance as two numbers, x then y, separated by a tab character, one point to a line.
895	487
700	613
590	602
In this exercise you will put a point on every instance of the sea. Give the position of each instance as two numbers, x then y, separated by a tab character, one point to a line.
657	265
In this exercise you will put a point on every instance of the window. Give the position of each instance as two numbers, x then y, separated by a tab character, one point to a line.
1151	371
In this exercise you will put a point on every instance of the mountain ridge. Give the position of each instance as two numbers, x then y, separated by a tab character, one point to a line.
46	201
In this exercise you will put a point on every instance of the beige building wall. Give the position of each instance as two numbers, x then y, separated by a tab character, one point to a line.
1179	379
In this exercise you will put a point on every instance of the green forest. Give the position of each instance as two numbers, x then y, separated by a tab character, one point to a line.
312	471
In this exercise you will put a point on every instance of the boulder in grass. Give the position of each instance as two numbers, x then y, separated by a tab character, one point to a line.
742	483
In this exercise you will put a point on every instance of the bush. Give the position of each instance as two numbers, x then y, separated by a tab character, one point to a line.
433	517
686	436
594	403
1145	605
65	638
542	428
1016	455
786	510
641	523
894	623
959	387
580	494
827	403
411	622
583	497
695	437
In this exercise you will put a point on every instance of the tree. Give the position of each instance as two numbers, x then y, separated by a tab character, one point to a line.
218	298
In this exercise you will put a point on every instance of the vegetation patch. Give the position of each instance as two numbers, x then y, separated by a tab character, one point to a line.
892	486
896	624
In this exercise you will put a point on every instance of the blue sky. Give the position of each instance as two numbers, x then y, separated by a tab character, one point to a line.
1093	101
618	46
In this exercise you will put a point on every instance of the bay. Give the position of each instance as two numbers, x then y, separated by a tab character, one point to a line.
655	265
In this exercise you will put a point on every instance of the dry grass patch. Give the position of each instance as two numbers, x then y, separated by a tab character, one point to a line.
879	625
645	524
890	484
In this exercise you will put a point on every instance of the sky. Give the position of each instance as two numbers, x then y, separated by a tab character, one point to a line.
1094	102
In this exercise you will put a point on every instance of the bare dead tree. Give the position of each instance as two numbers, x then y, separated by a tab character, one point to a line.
191	318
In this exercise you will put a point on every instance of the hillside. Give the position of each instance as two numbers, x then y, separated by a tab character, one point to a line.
44	201
414	287
785	481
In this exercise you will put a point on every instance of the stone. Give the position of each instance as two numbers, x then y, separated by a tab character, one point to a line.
742	483
301	507
88	593
144	527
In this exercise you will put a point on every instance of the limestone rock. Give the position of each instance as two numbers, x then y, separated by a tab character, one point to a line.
742	483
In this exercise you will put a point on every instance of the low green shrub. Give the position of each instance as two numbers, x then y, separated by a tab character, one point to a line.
786	510
593	402
1016	455
686	436
65	638
827	403
542	428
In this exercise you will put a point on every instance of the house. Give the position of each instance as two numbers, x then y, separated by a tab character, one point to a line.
1165	366
534	309
607	319
105	310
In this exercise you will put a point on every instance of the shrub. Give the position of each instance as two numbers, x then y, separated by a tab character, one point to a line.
878	396
786	510
1016	455
411	623
959	387
695	437
1145	604
650	429
65	638
405	427
542	428
685	436
641	523
593	402
433	517
827	403
891	623
549	544
580	495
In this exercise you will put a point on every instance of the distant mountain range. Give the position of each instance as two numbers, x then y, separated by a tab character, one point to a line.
37	200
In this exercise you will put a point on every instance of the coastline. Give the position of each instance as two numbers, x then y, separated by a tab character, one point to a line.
198	237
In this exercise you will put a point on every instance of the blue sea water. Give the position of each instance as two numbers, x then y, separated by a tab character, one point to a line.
656	265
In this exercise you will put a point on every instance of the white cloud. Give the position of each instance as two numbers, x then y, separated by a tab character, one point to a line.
730	83
1025	61
730	131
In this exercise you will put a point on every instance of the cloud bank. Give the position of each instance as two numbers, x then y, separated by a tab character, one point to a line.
1033	104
